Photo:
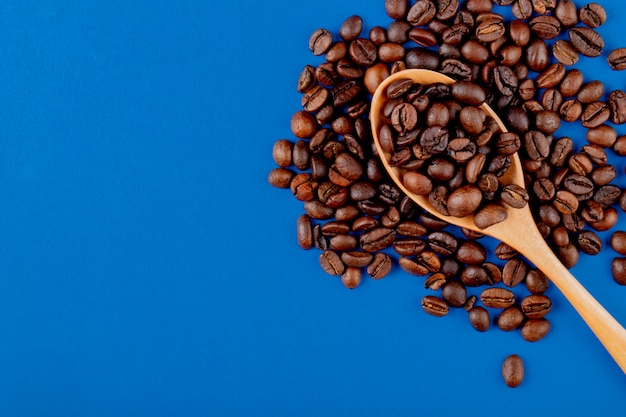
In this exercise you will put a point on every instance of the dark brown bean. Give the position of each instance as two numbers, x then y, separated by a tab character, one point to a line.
479	318
513	371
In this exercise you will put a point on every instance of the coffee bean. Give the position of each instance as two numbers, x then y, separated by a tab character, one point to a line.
464	200
617	104
409	246
434	306
351	278
537	55
331	263
454	293
380	266
280	177
497	298
305	232
510	318
607	195
513	371
320	41
513	272
592	15
514	195
421	13
489	215
535	329
589	242
536	306
618	270
545	26
536	282
479	318
377	239
570	110
595	114
586	41
363	52
567	12
537	145
565	202
351	28
396	9
435	281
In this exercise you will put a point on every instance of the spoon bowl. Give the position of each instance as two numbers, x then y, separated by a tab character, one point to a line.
518	230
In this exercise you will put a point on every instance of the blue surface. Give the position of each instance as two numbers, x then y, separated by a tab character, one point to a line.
147	268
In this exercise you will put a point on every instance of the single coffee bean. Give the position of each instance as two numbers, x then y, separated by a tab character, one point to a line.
595	114
356	259
396	9
380	266
510	319
363	52
320	41
513	371
617	103
442	243
421	13
522	9
602	135
513	272
435	306
479	318
471	253
586	41
537	145
281	177
598	156
331	263
547	121
519	32
592	15
505	79
565	202
417	183
497	298
490	29
514	195
536	281
469	93
618	270
607	195
341	243
570	110
377	239
351	28
545	26
580	164
454	293
409	246
534	330
489	215
567	12
589	242
351	278
617	59
618	242
537	55
571	83
536	306
304	232
474	276
464	200
435	281
543	6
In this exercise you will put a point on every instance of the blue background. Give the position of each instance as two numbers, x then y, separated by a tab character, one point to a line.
147	268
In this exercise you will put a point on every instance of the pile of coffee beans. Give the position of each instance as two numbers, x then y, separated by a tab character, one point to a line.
361	221
449	149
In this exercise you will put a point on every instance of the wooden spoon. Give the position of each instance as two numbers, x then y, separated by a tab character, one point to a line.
518	230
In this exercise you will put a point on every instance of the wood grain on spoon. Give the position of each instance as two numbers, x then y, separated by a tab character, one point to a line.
518	230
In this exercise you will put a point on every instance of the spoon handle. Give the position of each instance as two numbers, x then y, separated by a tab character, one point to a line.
608	330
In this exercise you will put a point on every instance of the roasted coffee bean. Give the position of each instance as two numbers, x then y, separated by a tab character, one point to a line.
443	243
341	243
417	183
351	278
319	241
519	32
404	117
505	79
617	103
434	306
571	83
618	270
591	92
513	272
377	239
464	200
505	252
534	330
461	149
537	56
570	110
567	12
363	52
471	253
586	41
474	167
479	318
578	184
513	371
468	92
320	41
490	29
380	266
514	195
545	26
536	306
454	293
580	164
595	114
411	229
351	28
303	124
598	156
396	9
421	13
497	298
489	215
543	6
602	135
510	318
618	242
281	177
435	281
592	15
422	58
356	259
617	59
331	263
303	187
474	276
536	282
547	121
522	9
409	246
565	202
551	100
589	242
607	195
410	266
536	145
317	210
475	52
304	232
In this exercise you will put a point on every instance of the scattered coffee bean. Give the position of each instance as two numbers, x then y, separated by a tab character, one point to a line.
513	371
